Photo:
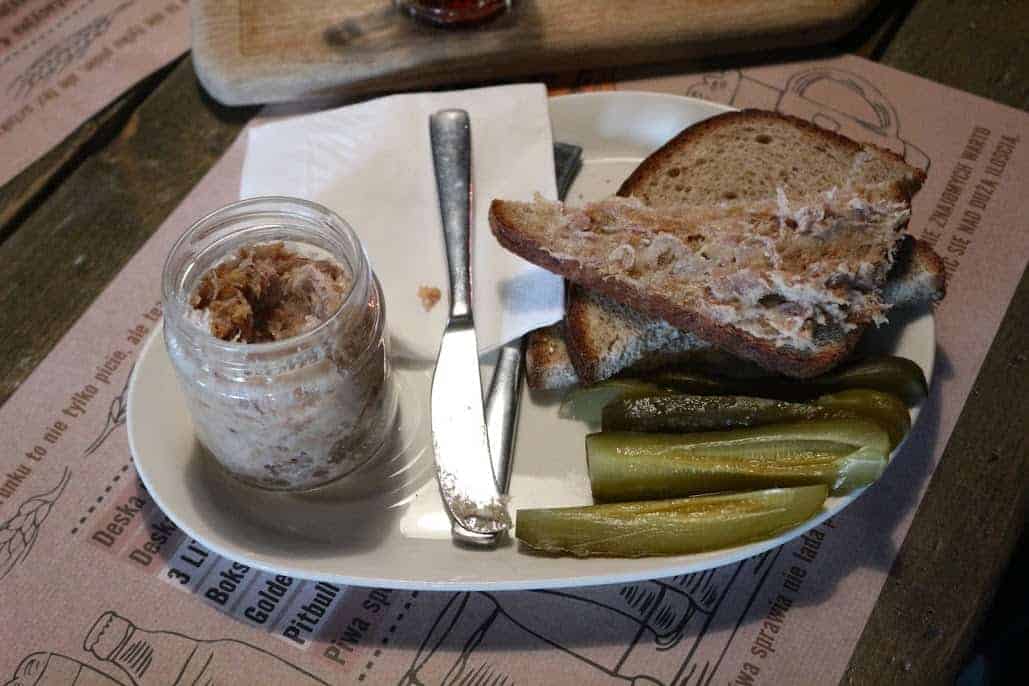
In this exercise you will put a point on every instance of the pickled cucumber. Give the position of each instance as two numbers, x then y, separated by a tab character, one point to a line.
843	454
885	409
667	527
886	373
586	404
686	413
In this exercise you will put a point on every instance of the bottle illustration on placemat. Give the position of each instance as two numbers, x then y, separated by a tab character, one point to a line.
145	657
150	658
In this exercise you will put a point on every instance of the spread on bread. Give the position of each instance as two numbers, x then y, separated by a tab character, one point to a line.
780	273
755	159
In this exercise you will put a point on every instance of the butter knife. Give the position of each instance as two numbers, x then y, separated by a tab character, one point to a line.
505	391
460	442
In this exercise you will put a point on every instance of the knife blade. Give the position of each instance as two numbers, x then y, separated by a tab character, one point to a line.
503	401
460	441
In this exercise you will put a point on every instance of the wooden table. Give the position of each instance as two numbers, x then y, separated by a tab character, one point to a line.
79	213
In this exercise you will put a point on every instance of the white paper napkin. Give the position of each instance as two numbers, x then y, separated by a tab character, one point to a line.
371	163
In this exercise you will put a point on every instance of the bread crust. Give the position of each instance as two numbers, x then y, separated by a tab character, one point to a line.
927	261
687	136
586	362
782	360
649	337
582	346
547	363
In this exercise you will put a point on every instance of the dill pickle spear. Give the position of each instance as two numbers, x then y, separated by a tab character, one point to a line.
586	404
667	527
898	376
685	413
885	409
699	383
843	454
885	373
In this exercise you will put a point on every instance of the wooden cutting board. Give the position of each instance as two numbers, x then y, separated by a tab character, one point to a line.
256	51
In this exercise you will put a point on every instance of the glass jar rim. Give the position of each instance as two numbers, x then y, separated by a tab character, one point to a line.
268	204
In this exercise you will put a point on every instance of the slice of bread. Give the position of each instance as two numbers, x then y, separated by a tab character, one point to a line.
752	154
738	156
609	338
548	365
787	286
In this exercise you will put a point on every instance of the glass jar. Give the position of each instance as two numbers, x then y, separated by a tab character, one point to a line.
295	413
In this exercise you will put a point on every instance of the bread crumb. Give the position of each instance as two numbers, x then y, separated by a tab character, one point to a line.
429	296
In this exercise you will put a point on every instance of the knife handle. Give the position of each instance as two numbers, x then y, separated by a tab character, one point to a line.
450	134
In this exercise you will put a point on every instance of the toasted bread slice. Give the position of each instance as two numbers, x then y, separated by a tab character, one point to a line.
752	154
739	156
609	338
788	287
548	366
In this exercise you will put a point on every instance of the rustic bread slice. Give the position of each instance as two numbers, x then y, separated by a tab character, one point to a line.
608	337
605	337
788	287
548	366
752	154
741	156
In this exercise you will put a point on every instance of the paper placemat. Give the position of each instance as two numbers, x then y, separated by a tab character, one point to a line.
85	556
61	61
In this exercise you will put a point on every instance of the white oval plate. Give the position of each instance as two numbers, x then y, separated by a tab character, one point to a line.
385	525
